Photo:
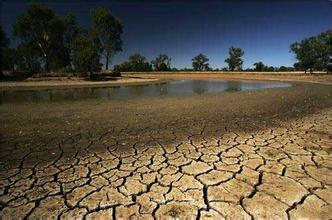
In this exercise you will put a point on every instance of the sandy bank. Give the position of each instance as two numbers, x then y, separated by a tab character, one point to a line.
135	78
62	82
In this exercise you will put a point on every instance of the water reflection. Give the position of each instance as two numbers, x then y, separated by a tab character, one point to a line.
171	88
138	90
199	86
233	86
162	89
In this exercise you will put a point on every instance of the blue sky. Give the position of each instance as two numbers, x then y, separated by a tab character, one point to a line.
182	29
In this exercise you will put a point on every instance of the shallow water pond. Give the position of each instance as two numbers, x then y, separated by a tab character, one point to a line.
170	88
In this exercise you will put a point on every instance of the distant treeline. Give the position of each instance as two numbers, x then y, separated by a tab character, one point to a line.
138	63
48	42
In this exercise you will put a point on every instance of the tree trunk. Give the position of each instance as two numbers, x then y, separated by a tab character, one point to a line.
47	64
107	58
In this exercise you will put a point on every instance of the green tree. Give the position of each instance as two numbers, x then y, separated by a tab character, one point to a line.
8	59
312	53
86	54
162	63
323	49
5	57
259	66
304	54
41	29
138	63
122	67
283	69
71	31
28	59
135	63
269	68
109	30
234	60
200	63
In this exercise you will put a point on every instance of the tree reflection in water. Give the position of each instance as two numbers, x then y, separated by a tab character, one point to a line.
137	90
163	88
199	86
233	86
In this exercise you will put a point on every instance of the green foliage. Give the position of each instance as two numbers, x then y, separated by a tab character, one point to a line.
269	69
86	53
71	31
313	53
116	72
43	30
122	67
27	59
234	60
4	58
200	63
259	66
108	29
8	59
136	63
162	63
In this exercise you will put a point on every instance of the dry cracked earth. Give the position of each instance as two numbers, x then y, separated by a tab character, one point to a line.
283	172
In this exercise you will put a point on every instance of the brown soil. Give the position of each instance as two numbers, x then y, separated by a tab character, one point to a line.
238	155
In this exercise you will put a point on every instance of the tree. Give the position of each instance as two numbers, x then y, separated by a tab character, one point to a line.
122	67
283	69
305	54
4	42
162	63
8	59
86	53
200	62
28	60
235	59
41	29
269	68
136	63
71	31
259	66
322	45
312	53
109	30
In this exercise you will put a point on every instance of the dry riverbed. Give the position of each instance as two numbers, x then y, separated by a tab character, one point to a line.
239	155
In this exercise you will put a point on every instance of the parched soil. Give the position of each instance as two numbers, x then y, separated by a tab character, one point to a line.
239	155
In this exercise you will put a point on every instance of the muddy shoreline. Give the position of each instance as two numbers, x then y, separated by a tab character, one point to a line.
64	83
233	111
153	77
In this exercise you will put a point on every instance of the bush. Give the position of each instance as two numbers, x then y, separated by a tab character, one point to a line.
116	73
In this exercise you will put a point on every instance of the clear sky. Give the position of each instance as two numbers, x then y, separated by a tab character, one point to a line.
264	29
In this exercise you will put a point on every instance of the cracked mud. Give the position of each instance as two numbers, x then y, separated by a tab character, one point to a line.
206	172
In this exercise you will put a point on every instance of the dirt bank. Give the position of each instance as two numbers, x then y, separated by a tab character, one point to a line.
62	82
276	76
152	77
